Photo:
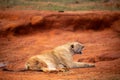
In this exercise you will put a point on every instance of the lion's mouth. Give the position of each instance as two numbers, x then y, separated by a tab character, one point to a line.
80	52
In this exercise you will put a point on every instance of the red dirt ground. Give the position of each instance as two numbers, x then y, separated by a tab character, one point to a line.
27	33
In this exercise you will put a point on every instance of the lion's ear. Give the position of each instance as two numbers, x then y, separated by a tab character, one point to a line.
72	46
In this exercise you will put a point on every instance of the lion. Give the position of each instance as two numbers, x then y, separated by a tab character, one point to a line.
58	59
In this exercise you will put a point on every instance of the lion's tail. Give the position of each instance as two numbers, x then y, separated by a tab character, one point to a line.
4	67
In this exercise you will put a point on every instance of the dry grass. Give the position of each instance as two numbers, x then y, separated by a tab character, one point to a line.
73	5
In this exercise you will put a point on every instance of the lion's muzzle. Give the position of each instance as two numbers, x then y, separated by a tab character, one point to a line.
80	50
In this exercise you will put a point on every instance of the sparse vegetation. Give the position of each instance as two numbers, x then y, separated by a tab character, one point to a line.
72	5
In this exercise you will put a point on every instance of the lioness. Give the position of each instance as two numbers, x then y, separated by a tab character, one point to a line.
59	59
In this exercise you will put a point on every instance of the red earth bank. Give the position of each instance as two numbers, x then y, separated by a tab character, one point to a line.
27	33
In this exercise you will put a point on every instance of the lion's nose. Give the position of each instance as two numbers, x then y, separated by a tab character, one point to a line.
83	47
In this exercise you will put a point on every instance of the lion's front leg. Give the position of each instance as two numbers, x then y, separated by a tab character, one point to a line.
82	65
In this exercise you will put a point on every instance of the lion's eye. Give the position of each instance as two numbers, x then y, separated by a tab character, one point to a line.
72	46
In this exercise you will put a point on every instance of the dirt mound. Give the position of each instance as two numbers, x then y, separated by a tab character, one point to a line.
100	57
17	24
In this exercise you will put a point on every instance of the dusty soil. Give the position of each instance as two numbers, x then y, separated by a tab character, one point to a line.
27	33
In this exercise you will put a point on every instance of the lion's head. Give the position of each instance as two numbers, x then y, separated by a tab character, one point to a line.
76	47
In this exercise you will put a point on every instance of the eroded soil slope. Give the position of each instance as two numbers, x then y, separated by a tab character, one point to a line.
27	33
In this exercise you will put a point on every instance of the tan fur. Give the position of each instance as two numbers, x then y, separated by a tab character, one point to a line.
59	59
